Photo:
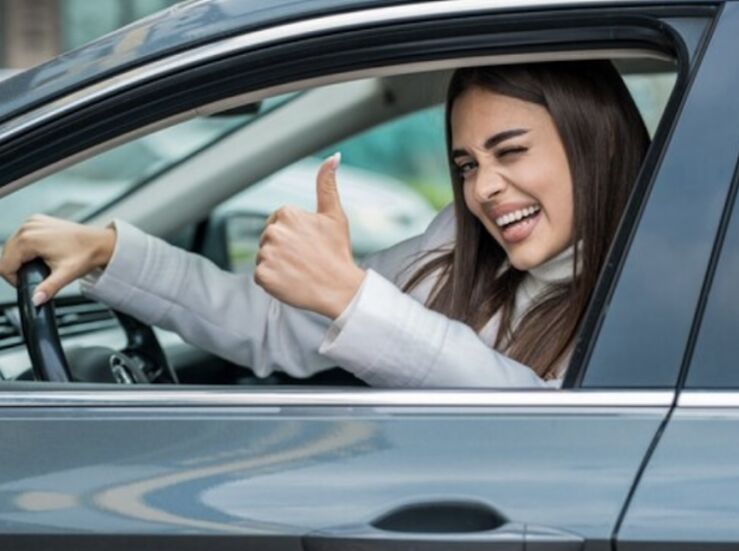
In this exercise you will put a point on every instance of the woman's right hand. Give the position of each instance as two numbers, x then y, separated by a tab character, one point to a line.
70	250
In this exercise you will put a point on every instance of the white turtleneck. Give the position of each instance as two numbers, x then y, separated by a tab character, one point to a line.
535	285
556	270
537	282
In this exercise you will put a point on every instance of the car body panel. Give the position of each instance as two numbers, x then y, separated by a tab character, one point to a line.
686	499
279	472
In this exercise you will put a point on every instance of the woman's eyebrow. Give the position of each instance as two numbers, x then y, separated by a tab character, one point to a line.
493	140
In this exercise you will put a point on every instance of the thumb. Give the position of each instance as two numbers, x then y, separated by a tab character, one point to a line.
50	286
327	191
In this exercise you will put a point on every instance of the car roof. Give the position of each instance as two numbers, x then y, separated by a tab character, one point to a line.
178	28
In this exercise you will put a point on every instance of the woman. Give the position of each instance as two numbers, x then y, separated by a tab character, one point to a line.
543	157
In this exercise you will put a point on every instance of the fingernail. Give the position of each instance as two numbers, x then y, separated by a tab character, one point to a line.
38	298
335	160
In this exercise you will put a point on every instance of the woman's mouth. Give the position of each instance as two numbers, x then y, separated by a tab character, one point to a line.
518	225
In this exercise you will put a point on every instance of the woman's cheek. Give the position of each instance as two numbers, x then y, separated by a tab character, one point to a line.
467	194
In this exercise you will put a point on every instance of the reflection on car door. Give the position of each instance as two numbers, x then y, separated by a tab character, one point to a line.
488	470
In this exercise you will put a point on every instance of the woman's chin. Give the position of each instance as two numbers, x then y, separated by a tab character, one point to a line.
523	266
526	259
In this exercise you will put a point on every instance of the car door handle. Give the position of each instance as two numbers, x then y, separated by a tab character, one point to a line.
440	525
437	525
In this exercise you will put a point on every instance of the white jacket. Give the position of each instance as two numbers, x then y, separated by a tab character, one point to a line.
386	337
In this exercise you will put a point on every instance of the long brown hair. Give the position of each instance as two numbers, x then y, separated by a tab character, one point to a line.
605	142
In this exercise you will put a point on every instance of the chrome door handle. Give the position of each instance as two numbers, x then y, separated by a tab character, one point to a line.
453	524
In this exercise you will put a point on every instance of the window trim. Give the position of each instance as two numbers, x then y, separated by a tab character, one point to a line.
172	396
708	399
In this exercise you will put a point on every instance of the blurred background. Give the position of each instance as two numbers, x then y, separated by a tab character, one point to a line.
32	31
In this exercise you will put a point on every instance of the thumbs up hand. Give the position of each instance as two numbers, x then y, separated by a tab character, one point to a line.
305	259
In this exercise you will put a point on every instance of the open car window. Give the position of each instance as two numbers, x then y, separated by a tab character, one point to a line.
393	181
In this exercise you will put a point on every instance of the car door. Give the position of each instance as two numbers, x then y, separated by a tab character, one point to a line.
278	468
686	498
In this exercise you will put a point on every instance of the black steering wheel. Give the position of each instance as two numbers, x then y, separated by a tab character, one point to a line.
141	361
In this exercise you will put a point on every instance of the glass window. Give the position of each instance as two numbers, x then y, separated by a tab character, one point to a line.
651	92
410	149
391	175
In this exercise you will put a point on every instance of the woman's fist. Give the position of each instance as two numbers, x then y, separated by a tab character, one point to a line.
305	259
70	250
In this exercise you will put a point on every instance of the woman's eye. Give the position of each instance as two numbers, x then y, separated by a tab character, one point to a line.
463	169
511	151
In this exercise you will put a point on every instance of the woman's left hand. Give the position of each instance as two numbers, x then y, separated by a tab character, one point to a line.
305	259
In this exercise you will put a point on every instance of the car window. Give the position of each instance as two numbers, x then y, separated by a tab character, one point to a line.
651	92
392	181
715	362
410	149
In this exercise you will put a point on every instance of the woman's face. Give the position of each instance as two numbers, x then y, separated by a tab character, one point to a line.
515	174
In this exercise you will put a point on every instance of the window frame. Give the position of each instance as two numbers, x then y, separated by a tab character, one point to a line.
597	27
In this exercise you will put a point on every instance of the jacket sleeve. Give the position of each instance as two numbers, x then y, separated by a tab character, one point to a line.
417	347
389	338
221	312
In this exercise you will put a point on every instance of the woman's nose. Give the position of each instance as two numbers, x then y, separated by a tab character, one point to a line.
488	184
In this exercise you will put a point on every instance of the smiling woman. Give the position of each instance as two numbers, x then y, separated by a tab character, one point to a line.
530	160
544	156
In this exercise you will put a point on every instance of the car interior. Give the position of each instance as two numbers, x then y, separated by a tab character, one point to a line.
255	135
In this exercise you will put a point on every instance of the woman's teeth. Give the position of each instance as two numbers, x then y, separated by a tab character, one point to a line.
517	215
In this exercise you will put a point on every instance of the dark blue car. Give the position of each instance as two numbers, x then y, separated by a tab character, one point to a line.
161	122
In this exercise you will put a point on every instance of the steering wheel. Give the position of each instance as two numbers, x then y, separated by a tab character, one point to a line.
141	361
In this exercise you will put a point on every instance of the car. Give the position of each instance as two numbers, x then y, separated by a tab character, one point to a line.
636	451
